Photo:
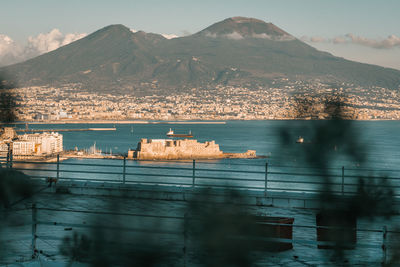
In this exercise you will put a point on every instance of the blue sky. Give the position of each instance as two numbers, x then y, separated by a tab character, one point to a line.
318	22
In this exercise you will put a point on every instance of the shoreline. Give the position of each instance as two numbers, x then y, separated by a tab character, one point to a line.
118	122
165	122
120	157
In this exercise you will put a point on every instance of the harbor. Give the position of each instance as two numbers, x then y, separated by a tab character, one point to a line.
238	137
92	178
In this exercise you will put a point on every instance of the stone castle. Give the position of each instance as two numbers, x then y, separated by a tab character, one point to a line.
167	149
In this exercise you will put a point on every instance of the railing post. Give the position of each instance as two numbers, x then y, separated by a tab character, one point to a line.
384	248
9	156
34	221
124	171
8	159
266	178
58	166
11	159
342	180
194	173
185	236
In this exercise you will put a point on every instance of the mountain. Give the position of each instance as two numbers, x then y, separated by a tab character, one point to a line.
238	50
242	27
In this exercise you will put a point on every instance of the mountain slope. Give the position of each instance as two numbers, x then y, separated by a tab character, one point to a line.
234	51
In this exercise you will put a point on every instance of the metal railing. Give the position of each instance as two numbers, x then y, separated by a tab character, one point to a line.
203	174
198	174
45	241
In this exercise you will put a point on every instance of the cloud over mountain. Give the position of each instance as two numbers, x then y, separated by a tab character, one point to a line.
13	52
46	42
389	42
236	51
165	35
169	36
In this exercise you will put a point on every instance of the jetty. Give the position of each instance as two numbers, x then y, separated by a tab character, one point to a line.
66	130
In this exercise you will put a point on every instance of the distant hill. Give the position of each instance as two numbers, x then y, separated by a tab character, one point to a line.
236	51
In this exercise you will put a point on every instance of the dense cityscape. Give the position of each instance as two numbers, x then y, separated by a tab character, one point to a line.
220	103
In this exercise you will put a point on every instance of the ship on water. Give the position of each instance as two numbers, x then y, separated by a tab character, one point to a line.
171	133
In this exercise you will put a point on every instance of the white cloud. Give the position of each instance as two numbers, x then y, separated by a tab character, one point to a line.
169	36
234	36
46	42
389	42
5	42
12	52
165	35
262	36
237	36
72	37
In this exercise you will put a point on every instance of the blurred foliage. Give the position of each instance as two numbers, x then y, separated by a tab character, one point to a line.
329	140
13	186
113	245
7	100
221	229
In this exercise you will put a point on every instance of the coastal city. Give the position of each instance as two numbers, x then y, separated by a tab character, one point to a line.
28	145
69	103
195	133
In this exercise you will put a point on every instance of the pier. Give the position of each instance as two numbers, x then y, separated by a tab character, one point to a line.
66	130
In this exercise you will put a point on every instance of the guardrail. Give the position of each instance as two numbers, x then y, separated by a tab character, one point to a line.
203	174
199	174
46	241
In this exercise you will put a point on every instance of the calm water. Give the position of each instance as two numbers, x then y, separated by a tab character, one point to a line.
379	142
380	139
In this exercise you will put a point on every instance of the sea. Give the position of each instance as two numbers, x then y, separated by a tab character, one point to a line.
368	145
373	146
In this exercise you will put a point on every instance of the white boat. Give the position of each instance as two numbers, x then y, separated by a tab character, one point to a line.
172	134
300	140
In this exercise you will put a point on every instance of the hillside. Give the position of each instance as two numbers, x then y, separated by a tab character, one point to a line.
234	51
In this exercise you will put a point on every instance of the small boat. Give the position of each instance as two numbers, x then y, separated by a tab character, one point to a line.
171	133
300	140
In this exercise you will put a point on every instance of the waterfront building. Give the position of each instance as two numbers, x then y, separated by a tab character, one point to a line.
23	148
30	144
3	149
46	143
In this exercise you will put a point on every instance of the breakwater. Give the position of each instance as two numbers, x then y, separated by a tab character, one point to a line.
66	130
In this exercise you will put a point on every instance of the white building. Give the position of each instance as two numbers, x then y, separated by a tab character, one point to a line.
3	149
23	148
52	143
45	143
